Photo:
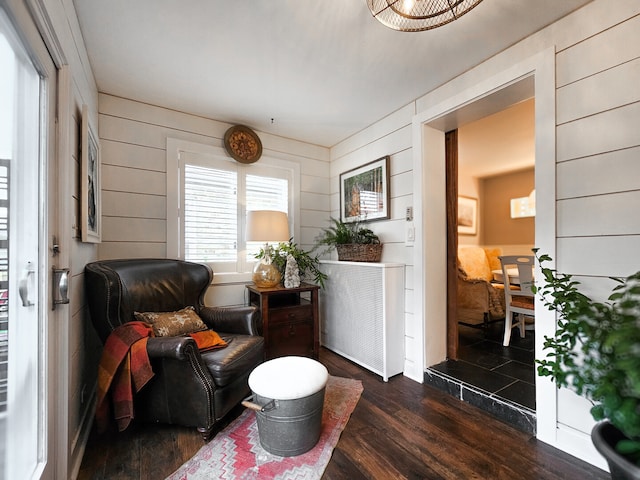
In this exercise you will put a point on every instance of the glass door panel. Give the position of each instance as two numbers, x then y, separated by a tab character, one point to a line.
23	264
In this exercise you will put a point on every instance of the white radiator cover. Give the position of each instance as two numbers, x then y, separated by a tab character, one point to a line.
362	314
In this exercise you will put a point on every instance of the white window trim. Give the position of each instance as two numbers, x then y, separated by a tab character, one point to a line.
175	147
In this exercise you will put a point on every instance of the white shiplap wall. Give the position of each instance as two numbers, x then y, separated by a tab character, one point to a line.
134	183
598	166
597	174
598	151
390	136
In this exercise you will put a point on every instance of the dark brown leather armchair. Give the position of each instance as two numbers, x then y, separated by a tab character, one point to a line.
190	387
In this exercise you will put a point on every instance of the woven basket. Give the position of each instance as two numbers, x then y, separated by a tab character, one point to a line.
359	252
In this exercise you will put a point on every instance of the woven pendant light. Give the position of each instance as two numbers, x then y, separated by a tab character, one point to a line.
418	15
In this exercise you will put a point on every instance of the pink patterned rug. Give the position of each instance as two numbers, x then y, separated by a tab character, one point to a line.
235	452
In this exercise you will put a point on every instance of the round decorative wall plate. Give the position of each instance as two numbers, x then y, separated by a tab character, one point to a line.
243	144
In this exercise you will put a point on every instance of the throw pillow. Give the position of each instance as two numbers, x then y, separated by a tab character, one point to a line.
208	340
172	324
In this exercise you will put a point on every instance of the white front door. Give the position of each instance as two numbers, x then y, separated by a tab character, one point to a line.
27	152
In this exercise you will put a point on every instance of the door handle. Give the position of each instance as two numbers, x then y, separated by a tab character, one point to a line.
23	285
60	285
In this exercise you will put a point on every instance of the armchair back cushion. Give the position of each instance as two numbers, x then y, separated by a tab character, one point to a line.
122	287
474	263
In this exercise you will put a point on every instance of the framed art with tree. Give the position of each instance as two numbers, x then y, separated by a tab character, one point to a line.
364	192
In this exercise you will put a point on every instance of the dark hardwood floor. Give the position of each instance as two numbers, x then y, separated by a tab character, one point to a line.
400	429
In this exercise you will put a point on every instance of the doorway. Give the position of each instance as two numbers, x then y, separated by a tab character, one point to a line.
479	368
492	161
477	97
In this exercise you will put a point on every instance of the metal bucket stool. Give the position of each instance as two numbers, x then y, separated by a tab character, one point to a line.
288	396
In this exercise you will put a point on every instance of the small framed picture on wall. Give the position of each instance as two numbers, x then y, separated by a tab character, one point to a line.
364	192
467	216
90	189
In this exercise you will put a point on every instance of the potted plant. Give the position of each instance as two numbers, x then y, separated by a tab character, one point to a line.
307	264
352	241
596	352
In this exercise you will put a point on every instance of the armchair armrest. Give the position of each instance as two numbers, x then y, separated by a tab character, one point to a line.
177	348
478	294
182	390
240	320
474	294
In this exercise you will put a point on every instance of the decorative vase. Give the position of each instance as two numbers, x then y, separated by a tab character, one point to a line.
604	437
265	273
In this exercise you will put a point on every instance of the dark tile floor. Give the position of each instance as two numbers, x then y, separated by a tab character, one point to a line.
505	373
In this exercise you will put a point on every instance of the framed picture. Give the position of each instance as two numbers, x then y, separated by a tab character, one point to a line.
467	216
364	192
90	188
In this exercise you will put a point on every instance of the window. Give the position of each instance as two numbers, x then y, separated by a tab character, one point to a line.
212	195
209	194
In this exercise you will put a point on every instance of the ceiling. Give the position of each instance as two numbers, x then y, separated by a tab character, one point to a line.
498	143
315	71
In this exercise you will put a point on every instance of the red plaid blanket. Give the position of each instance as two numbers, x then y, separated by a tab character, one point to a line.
124	365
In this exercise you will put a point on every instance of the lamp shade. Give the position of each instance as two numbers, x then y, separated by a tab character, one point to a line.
267	226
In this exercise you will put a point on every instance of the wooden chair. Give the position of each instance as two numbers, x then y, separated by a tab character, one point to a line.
517	271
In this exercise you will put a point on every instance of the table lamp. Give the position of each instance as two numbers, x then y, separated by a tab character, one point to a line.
267	226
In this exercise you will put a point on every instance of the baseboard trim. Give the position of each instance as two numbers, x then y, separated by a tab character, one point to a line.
82	437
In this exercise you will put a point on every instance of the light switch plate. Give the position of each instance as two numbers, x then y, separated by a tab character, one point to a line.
409	215
410	237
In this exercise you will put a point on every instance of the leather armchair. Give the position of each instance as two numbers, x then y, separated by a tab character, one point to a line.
479	300
190	387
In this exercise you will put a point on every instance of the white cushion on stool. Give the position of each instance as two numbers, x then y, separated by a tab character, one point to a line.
288	378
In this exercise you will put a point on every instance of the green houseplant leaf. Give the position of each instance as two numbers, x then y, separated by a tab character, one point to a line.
341	233
596	349
308	265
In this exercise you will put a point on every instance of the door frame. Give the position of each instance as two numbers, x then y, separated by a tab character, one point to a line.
35	26
60	227
536	75
451	202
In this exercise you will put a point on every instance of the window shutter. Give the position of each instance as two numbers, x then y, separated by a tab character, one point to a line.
267	193
210	215
213	194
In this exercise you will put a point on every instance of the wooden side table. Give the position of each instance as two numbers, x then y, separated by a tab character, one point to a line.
289	319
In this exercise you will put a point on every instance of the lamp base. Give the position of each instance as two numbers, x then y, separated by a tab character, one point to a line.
266	275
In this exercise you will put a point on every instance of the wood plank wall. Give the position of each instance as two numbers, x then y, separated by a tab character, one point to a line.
133	137
390	136
598	146
598	174
598	138
598	166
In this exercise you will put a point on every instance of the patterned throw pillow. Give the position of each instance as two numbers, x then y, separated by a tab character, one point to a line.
172	324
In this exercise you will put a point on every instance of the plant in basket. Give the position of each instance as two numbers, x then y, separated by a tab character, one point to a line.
352	241
596	352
